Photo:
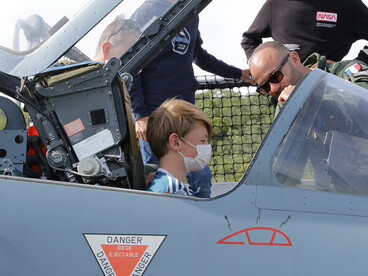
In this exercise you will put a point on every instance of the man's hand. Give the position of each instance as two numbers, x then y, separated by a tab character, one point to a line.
141	127
246	76
284	95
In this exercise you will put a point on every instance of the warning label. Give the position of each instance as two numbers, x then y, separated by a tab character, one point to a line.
94	144
74	127
120	255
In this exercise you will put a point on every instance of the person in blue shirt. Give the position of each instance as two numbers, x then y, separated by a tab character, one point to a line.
178	134
170	74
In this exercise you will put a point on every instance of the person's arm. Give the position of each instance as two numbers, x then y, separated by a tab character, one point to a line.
360	77
160	184
259	29
141	127
211	64
355	71
139	107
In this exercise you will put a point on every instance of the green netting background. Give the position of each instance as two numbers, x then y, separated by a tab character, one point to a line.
241	118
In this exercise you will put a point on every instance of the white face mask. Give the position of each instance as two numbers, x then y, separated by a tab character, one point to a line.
200	161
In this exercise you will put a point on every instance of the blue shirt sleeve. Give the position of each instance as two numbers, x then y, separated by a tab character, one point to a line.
158	187
163	183
139	106
211	64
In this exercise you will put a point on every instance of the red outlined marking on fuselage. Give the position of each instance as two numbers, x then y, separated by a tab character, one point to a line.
247	231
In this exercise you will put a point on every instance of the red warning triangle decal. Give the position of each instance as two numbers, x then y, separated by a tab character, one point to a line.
123	255
124	258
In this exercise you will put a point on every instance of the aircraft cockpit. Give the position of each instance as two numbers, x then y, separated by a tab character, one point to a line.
78	104
324	147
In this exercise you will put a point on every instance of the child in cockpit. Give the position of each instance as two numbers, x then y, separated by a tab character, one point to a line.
178	134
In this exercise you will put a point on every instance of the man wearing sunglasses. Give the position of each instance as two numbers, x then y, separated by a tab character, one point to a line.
277	70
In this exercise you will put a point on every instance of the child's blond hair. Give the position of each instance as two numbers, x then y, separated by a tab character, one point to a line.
173	116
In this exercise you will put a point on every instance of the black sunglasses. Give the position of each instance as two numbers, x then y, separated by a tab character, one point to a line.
275	77
131	26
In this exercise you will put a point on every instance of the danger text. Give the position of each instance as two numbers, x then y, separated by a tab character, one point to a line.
124	239
141	266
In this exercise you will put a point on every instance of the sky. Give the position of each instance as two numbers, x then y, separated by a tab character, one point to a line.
222	23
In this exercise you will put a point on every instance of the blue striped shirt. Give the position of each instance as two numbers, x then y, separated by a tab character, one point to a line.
166	183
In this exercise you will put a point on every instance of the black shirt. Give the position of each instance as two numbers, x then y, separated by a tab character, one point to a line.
328	27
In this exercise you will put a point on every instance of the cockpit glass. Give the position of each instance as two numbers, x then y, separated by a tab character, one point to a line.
122	27
326	148
31	23
27	23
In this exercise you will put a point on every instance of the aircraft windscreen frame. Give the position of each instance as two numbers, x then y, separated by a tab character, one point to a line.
30	27
326	145
82	31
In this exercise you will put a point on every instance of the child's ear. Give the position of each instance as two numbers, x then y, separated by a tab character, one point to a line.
174	142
